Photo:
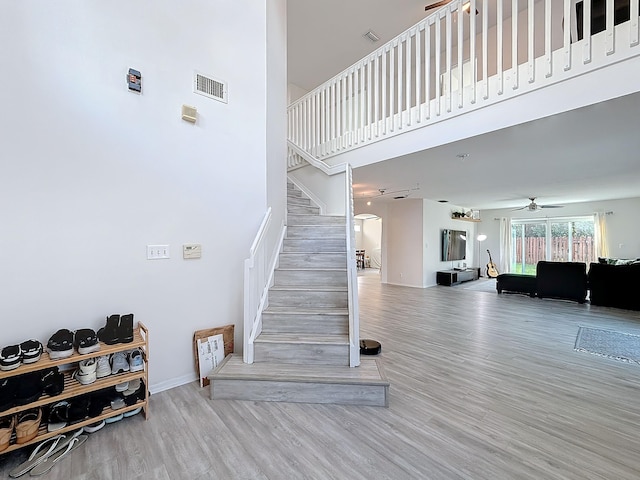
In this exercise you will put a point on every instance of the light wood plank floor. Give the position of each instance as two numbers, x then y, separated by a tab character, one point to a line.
483	386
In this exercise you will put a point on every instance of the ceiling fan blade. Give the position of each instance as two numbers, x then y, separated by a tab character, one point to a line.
550	206
436	5
521	208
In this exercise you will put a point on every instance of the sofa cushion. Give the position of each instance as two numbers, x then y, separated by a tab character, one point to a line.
514	282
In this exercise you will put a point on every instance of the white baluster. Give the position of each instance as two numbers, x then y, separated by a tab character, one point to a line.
531	42
567	34
485	49
418	75
547	38
586	29
500	45
514	44
610	35
634	34
460	14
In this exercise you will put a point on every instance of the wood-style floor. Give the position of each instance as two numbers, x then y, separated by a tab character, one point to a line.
483	386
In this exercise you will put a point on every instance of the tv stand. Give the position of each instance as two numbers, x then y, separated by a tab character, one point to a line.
453	277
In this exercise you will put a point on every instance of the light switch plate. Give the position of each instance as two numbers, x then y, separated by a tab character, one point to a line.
158	252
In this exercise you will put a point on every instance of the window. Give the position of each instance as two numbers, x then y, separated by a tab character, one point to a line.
553	239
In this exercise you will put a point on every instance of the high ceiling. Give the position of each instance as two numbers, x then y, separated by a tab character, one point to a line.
589	154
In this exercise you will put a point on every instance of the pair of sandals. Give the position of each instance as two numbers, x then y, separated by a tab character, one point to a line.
26	425
13	356
48	453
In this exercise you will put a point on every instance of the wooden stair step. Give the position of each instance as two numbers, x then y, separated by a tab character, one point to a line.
296	348
365	385
303	339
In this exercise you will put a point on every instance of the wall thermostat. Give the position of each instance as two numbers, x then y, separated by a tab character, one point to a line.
191	250
134	80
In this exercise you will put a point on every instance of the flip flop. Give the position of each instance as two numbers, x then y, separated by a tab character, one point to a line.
39	455
48	463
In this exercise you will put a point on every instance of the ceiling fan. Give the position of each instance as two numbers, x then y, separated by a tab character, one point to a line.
466	6
533	206
397	194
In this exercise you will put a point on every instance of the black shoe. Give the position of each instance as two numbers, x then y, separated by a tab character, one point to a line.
10	357
31	351
52	381
29	389
86	341
125	329
60	345
78	409
8	388
109	333
58	416
97	404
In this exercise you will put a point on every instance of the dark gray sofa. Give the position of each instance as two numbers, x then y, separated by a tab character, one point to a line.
615	285
566	280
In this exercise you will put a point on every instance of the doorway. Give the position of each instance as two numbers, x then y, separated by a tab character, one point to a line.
369	243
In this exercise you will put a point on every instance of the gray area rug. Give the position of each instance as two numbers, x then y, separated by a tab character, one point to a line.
605	343
481	285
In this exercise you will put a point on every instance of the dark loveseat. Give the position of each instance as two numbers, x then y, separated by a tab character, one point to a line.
615	285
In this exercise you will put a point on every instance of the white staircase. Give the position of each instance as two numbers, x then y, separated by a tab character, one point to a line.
302	353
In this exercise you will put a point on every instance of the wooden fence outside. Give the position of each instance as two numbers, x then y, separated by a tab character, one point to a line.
535	250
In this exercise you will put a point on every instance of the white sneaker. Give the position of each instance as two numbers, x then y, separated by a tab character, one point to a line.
88	366
131	413
113	419
84	378
136	361
94	427
104	367
119	363
122	387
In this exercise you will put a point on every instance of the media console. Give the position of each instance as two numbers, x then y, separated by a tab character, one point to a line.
453	277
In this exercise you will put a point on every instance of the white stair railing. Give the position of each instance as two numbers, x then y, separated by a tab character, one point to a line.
453	62
352	272
258	277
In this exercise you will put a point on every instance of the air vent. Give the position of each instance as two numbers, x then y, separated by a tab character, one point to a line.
371	35
210	87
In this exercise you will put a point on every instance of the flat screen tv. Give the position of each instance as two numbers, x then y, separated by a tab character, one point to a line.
454	245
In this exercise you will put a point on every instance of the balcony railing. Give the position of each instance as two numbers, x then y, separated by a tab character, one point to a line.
453	62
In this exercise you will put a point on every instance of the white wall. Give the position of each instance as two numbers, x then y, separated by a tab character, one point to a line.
276	131
623	230
437	216
403	224
380	210
92	173
328	191
294	92
372	240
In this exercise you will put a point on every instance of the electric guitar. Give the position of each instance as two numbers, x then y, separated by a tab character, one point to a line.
492	270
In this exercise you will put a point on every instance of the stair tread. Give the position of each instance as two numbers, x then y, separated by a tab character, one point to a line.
306	288
311	215
369	372
341	339
307	311
308	268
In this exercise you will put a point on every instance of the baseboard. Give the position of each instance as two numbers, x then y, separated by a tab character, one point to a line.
172	383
